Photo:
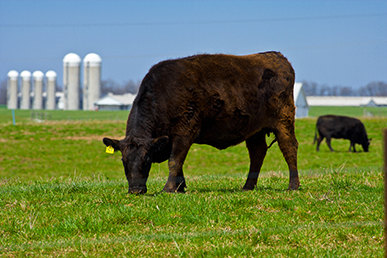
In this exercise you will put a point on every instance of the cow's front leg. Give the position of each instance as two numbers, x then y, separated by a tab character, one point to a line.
288	145
176	180
352	146
257	147
354	149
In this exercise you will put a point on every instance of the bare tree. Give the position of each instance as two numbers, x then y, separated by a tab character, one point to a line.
334	91
346	91
374	89
131	86
314	89
310	88
325	90
110	85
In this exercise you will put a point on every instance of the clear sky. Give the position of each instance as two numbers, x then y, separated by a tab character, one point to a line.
337	43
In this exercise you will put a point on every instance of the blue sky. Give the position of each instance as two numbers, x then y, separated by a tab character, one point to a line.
337	43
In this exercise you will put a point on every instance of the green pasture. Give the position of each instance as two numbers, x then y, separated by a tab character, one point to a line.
61	195
349	111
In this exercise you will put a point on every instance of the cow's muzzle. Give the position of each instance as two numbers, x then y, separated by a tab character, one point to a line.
137	190
137	186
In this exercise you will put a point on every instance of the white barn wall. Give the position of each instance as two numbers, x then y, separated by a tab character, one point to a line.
12	89
300	101
25	102
71	81
38	90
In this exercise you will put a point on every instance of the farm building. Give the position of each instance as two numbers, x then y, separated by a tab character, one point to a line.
300	101
125	102
115	102
347	101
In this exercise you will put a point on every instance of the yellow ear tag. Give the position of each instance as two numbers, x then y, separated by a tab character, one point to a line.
110	149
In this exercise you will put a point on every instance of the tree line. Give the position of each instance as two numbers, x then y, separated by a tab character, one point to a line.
376	88
107	86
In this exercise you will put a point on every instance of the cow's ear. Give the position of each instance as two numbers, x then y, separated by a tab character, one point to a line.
112	142
158	144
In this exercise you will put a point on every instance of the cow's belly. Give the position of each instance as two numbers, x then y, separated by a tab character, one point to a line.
224	134
220	143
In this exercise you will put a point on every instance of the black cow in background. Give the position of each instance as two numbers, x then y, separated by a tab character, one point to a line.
341	127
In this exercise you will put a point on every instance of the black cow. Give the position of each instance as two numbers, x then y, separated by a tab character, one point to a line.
220	100
341	127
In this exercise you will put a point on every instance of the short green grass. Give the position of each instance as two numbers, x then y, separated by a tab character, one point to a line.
22	116
61	195
316	111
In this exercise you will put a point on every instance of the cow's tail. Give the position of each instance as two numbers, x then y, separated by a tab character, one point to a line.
315	136
271	144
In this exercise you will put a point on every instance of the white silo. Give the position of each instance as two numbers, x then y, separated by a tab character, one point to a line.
12	88
50	90
71	81
91	80
25	102
38	90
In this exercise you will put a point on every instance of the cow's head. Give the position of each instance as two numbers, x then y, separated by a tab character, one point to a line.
366	144
137	157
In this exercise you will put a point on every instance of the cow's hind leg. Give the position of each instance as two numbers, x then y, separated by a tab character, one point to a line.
288	145
329	143
257	147
319	140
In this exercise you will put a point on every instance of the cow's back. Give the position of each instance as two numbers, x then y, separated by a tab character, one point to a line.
231	97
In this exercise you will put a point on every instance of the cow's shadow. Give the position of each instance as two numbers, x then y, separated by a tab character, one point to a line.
222	191
240	190
340	151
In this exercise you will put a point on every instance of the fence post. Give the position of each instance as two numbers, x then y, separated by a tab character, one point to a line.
13	117
385	192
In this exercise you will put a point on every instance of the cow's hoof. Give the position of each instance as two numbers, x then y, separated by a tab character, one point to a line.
245	189
173	191
294	185
175	188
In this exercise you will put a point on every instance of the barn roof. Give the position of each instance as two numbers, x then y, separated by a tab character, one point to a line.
116	100
298	92
380	101
346	101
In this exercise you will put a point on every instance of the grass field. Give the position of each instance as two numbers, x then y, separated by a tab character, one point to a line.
349	111
61	195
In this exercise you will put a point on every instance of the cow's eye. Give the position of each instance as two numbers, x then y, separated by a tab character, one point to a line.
147	160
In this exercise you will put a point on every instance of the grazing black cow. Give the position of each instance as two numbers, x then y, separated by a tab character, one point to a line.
341	127
220	100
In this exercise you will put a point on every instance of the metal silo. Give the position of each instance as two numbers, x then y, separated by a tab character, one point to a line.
38	90
25	102
50	90
71	81
12	88
91	80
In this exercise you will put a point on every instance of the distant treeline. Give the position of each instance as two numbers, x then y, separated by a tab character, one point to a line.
377	88
107	86
310	89
371	89
114	87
